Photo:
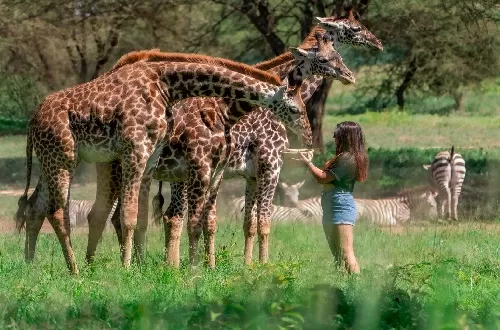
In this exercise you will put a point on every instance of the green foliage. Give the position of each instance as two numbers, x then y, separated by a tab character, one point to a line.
19	96
13	126
440	277
440	47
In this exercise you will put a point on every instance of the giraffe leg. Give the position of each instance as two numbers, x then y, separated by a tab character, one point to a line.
209	221
35	215
250	221
266	186
142	220
173	220
107	191
198	185
133	167
58	179
115	221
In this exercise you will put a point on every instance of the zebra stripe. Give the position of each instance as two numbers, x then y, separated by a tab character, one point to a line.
448	174
80	209
385	212
279	214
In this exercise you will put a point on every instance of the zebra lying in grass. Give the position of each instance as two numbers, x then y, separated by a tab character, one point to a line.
448	174
279	214
80	209
397	210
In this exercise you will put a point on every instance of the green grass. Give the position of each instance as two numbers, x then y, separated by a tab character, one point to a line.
436	278
12	146
400	129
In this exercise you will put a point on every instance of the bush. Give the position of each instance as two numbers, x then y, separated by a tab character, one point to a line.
19	95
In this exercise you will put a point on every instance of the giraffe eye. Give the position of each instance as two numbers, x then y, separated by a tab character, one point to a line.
356	28
323	60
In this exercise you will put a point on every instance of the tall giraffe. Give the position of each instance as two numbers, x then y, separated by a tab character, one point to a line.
184	152
125	114
259	141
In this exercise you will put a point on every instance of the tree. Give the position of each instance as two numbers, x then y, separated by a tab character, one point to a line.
282	24
436	47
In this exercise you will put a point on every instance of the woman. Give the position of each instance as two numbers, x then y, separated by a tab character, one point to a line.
338	175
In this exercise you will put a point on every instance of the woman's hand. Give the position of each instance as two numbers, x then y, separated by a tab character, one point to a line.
305	157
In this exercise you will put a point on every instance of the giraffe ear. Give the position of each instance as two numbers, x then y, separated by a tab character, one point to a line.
299	53
300	184
292	91
329	24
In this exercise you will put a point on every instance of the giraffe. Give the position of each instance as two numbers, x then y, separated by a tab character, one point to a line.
184	148
259	140
125	114
348	30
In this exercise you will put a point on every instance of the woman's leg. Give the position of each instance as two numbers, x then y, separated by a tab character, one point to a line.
332	237
346	240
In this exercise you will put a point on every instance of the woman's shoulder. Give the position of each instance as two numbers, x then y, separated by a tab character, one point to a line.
347	156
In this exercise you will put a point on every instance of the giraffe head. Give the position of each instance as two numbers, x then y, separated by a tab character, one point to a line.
288	106
322	61
348	30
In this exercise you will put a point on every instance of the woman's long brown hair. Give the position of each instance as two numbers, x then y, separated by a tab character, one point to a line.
349	138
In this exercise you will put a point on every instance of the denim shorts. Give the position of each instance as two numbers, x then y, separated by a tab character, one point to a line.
338	207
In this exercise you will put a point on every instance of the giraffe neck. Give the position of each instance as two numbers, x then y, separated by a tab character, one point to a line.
284	67
185	80
287	70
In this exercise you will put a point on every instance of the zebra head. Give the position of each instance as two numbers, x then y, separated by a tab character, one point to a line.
290	193
422	201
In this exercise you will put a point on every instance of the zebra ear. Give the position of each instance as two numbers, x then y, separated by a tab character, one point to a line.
427	167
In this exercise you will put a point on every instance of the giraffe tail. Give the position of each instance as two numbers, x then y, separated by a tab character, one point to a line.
20	216
158	201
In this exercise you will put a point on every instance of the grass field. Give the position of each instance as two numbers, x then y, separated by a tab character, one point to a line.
438	277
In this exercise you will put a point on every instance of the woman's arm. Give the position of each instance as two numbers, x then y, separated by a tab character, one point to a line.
320	175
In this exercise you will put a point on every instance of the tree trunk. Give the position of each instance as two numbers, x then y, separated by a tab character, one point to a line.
400	92
458	96
400	97
315	112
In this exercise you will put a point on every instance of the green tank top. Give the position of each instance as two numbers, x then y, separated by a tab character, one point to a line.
344	171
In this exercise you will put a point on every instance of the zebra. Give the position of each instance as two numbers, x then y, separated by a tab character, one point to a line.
279	214
448	174
80	209
400	209
389	211
288	194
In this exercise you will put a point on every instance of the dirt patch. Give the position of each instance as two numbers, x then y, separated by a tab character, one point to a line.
15	192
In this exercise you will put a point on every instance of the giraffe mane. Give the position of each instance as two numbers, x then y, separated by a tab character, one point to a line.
308	43
155	55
